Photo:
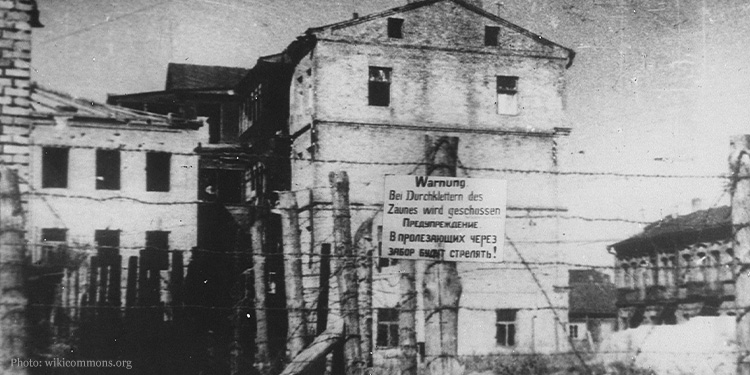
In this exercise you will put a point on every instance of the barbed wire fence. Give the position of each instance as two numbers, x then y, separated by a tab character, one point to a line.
94	301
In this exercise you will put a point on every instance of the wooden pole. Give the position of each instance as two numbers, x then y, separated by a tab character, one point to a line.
262	361
365	250
347	275
739	165
295	303
13	301
442	285
407	319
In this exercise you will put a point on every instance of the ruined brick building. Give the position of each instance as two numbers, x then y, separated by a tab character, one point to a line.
364	94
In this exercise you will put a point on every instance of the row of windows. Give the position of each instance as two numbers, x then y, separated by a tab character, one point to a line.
387	327
379	90
396	31
55	167
505	328
154	255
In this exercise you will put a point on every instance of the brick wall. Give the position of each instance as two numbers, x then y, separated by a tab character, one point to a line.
15	64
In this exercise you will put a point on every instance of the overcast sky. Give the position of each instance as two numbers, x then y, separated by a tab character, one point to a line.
657	87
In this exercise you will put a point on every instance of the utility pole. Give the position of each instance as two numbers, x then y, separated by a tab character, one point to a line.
739	165
442	285
295	303
347	275
13	335
262	361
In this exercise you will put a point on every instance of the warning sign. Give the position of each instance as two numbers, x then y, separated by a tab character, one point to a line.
444	218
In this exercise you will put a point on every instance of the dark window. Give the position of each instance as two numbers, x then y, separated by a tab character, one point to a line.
506	327
221	185
107	170
53	250
490	35
54	167
54	235
387	335
395	28
157	249
107	245
157	171
507	95
379	88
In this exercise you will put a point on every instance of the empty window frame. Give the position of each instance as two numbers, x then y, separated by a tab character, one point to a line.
107	245
379	87
107	169
158	171
505	324
395	28
491	35
54	167
577	331
507	95
157	250
221	185
387	334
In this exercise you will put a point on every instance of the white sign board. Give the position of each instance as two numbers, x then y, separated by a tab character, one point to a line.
444	218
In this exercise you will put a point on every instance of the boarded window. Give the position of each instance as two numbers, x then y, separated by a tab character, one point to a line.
507	95
156	253
505	324
107	245
490	35
107	170
395	28
221	185
54	167
157	171
387	335
379	87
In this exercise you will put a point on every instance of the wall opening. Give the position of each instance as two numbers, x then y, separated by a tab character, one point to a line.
54	167
158	171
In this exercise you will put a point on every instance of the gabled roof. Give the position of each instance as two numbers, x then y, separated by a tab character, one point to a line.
696	226
202	77
46	103
591	293
423	3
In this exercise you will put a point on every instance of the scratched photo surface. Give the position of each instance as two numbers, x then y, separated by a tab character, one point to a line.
199	186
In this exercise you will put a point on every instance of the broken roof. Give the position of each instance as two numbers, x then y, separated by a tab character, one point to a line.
202	77
46	103
703	225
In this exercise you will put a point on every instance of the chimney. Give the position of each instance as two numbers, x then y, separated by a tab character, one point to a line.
697	204
18	17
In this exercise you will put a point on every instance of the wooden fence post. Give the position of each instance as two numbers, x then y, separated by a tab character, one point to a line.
347	275
739	165
13	301
295	303
442	285
262	361
365	250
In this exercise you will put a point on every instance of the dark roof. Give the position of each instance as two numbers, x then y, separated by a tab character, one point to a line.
419	4
201	77
591	293
694	225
